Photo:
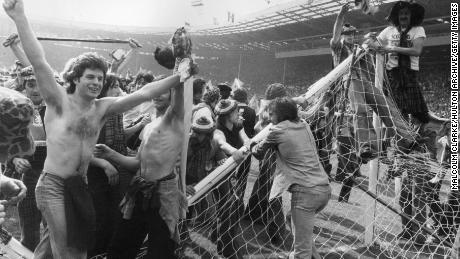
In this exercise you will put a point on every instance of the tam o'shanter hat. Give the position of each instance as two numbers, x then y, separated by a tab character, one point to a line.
417	12
203	125
225	107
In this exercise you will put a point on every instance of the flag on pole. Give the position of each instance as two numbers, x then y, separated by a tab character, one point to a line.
237	83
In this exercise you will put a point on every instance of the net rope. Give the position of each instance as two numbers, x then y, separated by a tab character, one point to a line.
235	219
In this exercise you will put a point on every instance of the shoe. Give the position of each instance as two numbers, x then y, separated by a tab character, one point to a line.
405	234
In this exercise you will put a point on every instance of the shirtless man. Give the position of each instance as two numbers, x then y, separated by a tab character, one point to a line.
73	119
153	201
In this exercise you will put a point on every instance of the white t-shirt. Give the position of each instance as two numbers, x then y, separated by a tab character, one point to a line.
390	36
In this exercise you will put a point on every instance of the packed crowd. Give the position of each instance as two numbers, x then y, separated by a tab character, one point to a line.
105	172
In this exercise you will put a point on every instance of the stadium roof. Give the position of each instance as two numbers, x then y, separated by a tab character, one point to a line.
302	22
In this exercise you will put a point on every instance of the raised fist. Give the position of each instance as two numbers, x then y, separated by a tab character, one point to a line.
14	8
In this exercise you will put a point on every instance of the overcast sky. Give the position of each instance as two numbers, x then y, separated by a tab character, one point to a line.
158	13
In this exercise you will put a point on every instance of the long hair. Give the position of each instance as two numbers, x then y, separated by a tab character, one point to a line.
417	13
284	109
75	68
109	82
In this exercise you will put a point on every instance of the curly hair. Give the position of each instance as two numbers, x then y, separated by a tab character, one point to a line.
75	68
275	90
109	82
211	95
284	109
416	10
240	95
165	57
147	76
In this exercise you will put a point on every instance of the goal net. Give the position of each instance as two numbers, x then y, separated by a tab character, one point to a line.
398	205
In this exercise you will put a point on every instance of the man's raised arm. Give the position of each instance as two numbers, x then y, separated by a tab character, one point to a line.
151	90
146	93
338	24
48	87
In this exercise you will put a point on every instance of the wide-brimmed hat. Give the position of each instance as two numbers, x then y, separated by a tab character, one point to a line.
225	107
417	12
203	125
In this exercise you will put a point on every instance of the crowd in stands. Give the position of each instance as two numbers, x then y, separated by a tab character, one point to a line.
139	140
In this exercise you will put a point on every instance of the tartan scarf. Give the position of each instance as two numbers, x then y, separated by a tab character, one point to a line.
404	60
112	134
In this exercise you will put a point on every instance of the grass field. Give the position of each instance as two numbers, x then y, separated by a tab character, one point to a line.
339	229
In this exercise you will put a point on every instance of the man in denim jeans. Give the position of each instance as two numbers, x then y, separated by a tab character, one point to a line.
73	119
153	202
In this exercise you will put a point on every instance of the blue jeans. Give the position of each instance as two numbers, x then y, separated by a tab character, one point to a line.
49	194
305	203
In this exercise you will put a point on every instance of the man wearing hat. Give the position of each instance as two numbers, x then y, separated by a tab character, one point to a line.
225	90
342	46
208	102
402	41
203	156
231	137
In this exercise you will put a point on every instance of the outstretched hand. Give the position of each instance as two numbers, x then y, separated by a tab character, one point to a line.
14	189
102	151
14	8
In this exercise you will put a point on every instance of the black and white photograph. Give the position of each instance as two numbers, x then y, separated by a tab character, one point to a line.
229	129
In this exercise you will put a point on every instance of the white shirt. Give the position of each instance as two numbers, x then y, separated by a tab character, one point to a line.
391	36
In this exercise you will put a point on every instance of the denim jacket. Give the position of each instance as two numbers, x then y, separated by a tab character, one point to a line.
297	160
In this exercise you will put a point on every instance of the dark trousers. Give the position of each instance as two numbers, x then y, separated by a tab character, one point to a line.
230	211
413	201
29	215
348	166
105	200
260	209
131	233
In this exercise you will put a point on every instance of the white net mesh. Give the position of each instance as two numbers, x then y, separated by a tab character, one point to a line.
392	212
406	216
